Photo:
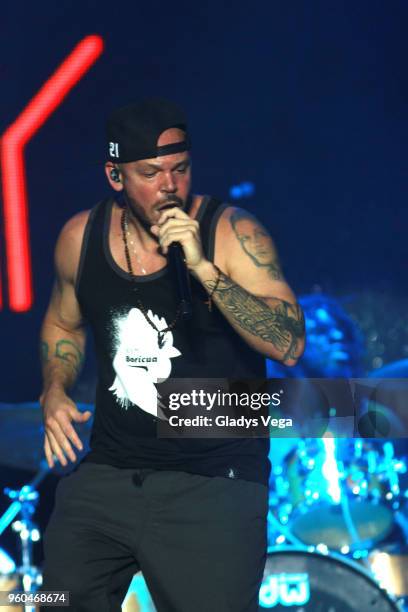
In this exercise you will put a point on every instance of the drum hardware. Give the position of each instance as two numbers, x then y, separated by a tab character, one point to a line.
21	446
22	508
389	566
7	565
282	533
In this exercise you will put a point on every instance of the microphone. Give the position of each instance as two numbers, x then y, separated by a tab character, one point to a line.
181	277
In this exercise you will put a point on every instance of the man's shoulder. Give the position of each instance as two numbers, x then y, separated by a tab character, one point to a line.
69	243
73	231
224	235
232	212
240	235
232	215
228	217
198	208
76	224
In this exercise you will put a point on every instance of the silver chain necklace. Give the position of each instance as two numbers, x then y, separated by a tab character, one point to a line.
124	222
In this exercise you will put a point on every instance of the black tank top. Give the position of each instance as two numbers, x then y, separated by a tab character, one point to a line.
124	428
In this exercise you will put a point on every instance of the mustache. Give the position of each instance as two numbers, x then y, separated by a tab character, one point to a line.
170	202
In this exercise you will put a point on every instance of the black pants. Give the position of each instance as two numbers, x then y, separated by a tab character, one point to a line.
200	542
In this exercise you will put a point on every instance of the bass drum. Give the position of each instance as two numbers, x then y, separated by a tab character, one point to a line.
302	581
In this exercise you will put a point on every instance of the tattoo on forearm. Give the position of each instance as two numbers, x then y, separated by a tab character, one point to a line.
68	351
281	324
256	243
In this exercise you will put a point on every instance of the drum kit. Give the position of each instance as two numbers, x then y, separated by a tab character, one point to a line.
25	577
337	524
337	521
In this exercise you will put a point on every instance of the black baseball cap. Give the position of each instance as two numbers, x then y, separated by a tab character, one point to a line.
133	130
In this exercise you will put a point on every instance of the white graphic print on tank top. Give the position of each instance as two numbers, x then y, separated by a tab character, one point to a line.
138	361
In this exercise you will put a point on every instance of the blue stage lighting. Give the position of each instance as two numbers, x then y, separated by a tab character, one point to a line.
242	190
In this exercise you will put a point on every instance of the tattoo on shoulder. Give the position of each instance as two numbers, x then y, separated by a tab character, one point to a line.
256	243
68	351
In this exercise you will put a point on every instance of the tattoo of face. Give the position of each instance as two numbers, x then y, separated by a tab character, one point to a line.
44	350
281	324
67	351
256	243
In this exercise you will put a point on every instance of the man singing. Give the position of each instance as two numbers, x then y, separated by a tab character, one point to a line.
189	513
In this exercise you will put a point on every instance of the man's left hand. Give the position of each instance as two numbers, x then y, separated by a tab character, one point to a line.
174	225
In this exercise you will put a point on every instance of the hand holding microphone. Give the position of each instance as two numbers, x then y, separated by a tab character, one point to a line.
174	225
179	238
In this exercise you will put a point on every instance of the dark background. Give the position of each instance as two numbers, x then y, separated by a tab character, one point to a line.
307	100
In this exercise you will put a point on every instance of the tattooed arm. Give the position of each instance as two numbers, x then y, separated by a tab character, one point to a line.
62	349
251	292
62	346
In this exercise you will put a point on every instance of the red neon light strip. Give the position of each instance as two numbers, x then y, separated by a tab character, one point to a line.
15	138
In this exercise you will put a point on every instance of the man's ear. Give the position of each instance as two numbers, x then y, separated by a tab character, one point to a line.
114	176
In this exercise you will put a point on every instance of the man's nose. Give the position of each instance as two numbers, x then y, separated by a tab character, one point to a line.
169	184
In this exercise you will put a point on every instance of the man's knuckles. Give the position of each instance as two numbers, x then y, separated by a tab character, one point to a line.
60	415
186	231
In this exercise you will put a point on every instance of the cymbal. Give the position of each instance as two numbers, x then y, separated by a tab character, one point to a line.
22	437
